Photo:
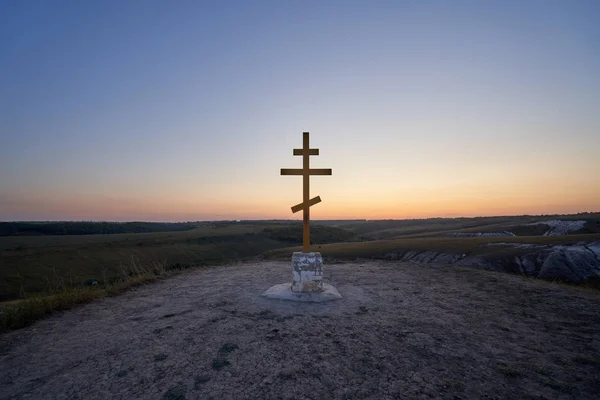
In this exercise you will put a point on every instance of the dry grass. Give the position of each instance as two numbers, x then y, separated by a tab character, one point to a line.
63	296
37	264
29	242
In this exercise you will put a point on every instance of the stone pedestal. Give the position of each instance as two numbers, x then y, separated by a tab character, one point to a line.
307	272
307	281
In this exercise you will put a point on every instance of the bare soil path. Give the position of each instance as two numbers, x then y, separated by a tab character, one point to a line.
402	330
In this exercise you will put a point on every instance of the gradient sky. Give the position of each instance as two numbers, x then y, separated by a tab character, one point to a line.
186	110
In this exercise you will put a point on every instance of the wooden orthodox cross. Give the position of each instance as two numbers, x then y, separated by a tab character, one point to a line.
306	152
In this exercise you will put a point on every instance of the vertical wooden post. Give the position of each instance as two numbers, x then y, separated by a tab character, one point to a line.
306	190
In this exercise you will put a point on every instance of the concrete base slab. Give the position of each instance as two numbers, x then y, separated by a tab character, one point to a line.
284	291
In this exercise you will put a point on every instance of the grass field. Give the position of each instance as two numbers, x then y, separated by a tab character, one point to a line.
25	242
390	229
33	264
470	246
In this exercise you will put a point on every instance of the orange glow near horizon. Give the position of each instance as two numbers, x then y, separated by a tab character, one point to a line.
459	201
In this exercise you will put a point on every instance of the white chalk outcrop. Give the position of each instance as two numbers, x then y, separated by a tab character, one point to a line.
479	234
571	263
560	227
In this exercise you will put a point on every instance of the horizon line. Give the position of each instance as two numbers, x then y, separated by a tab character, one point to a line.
298	219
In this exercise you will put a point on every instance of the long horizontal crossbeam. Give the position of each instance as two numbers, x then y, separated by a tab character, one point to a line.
312	171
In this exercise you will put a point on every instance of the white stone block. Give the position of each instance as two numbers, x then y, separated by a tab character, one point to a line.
307	272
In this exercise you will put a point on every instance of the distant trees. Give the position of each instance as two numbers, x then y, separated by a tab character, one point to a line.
88	228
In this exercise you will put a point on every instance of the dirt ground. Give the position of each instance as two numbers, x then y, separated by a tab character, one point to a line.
402	330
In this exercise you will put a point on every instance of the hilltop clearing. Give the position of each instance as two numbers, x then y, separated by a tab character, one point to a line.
402	330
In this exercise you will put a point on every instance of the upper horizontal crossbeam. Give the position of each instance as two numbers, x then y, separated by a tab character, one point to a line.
311	152
311	171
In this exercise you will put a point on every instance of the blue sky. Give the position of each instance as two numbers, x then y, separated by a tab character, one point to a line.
183	110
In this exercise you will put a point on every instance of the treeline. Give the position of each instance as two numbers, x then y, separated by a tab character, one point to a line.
88	228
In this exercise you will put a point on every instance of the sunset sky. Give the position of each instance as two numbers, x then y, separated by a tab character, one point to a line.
187	110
